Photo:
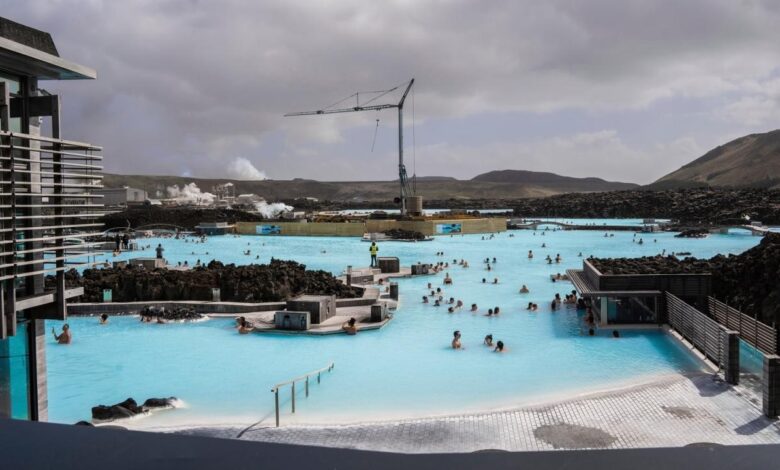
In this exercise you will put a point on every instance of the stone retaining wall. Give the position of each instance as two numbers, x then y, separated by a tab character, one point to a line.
357	229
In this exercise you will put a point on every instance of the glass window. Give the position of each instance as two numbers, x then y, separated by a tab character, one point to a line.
14	89
15	375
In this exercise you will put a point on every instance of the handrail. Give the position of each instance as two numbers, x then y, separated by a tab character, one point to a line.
305	377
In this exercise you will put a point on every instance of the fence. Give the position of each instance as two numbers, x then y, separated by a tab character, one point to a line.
760	335
702	331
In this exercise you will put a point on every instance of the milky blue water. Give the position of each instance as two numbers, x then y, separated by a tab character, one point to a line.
405	369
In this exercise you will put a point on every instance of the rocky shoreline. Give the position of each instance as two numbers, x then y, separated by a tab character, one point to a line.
749	281
279	280
187	218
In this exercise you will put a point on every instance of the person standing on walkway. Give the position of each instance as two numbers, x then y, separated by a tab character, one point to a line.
373	249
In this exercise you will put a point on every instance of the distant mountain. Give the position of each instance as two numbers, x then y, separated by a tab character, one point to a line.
750	161
431	178
571	184
430	187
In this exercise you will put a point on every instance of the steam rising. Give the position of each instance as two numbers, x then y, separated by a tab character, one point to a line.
272	210
190	194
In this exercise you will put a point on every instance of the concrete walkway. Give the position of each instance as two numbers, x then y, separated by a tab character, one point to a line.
674	411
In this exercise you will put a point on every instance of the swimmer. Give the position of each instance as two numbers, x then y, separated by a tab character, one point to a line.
484	280
349	327
490	313
451	310
456	340
496	311
488	340
459	304
425	299
495	280
499	347
474	308
530	306
103	319
524	289
530	254
615	334
243	326
64	337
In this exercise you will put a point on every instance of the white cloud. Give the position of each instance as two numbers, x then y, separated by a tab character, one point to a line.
600	154
183	84
242	169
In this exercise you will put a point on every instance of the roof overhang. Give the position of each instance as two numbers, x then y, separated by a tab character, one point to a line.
586	289
30	62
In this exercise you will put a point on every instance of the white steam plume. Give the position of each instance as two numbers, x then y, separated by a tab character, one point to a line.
242	169
190	194
271	210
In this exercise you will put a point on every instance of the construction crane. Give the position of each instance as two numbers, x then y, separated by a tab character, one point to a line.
405	191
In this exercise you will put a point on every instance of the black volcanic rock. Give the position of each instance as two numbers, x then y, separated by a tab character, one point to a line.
689	206
187	218
276	281
171	314
400	234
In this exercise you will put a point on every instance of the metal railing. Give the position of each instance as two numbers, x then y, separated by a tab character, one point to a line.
303	378
758	334
706	334
46	198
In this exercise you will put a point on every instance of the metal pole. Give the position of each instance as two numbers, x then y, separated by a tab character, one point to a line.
276	400
293	397
401	170
307	386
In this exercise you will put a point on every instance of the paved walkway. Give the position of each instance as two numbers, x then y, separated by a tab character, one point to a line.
676	411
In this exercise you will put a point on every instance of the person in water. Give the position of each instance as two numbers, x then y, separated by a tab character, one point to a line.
488	340
456	340
474	307
103	319
524	289
63	338
425	299
244	326
349	327
499	347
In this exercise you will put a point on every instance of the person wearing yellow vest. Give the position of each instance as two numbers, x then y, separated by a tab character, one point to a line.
373	249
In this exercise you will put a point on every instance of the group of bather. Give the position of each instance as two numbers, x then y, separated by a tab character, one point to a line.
488	341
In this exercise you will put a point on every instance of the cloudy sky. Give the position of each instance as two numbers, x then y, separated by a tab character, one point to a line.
622	89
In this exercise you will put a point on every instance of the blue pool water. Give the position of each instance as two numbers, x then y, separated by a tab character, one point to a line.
407	368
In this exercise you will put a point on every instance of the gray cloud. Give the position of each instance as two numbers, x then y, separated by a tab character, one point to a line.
190	86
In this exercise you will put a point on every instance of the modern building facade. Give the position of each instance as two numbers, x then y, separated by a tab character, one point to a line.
47	211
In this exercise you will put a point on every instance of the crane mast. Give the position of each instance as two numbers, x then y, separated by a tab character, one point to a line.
403	179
